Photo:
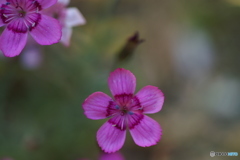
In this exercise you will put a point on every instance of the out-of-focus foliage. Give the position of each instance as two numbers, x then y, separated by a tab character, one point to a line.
191	52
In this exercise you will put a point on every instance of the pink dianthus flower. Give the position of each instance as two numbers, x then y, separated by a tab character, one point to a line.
126	111
23	16
68	18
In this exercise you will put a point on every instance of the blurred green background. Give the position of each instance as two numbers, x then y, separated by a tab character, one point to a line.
191	52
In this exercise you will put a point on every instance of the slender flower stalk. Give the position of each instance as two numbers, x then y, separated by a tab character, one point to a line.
126	111
23	16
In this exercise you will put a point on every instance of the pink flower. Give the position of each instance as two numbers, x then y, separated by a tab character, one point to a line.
68	17
111	156
31	57
126	111
23	16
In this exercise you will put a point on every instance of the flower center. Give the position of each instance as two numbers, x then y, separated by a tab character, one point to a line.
124	110
21	13
10	11
20	10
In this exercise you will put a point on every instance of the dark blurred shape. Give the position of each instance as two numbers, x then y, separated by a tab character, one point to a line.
31	143
128	50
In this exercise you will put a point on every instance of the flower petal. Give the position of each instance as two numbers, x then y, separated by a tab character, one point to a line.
31	58
3	1
150	99
111	156
12	43
122	81
144	130
46	3
65	2
66	36
17	26
98	106
47	31
74	17
1	22
11	1
110	138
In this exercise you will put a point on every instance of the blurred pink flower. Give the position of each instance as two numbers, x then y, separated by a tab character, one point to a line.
109	156
21	17
31	57
126	111
68	17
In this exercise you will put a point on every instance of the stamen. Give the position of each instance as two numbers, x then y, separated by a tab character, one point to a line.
117	107
114	125
30	21
26	24
9	19
19	6
33	24
130	112
5	15
11	14
8	3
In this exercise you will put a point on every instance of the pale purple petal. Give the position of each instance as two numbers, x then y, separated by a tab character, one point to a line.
111	156
65	2
47	31
31	57
46	3
12	43
74	17
150	99
98	106
145	131
66	36
122	81
110	138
